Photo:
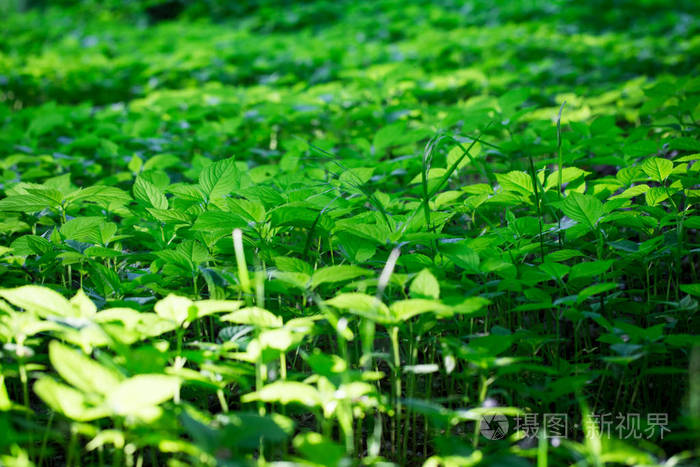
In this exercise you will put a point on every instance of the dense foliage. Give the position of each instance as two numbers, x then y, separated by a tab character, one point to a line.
349	233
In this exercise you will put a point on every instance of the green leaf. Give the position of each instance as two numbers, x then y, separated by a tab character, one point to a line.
173	216
83	229
81	371
104	438
31	245
5	402
632	191
149	193
208	307
219	179
589	269
333	274
40	300
584	209
655	195
282	339
463	256
66	400
434	173
471	305
285	392
425	285
562	255
248	210
137	395
641	148
568	174
100	194
455	156
406	309
363	305
657	169
595	289
174	308
555	270
319	450
356	177
254	316
516	181
692	289
213	221
26	203
83	305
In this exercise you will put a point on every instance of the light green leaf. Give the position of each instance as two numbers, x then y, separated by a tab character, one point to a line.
562	255
657	169
83	229
83	305
655	195
280	339
81	371
26	203
208	307
174	308
100	194
248	210
517	181
632	191
434	173
285	392
66	400
149	193
137	395
471	305
363	305
332	274
105	437
170	215
41	300
254	316
212	221
407	309
568	174
219	179
425	285
584	209
5	402
462	255
319	450
456	153
293	279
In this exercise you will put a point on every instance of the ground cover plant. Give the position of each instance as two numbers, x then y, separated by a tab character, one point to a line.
341	233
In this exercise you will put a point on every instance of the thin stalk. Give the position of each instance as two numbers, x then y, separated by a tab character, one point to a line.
222	400
45	439
538	205
394	335
560	165
483	388
542	449
243	276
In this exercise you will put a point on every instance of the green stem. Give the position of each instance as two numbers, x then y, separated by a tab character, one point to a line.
394	333
45	439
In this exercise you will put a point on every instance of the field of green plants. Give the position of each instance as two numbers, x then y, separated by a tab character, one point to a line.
338	233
